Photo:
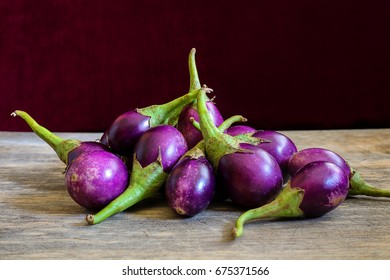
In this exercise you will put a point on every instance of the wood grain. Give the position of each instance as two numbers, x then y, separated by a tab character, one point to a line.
40	221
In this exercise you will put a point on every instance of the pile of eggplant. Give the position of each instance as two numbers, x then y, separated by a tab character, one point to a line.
187	150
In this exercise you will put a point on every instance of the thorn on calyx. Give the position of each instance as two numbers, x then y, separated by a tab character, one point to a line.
207	89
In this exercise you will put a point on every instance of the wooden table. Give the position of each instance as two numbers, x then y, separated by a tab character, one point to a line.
39	220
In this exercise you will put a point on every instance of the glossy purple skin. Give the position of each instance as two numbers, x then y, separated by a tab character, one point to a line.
281	148
86	147
94	179
125	131
185	126
305	156
190	186
325	184
165	138
239	129
250	179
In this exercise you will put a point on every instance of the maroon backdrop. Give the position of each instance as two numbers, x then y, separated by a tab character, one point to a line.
76	65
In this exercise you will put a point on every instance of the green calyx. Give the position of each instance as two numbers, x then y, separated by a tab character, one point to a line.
199	149
285	205
61	146
358	186
168	113
144	182
217	143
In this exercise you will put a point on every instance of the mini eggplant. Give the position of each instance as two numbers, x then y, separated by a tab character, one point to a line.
250	179
96	178
123	133
66	149
316	189
156	152
357	185
163	141
250	175
190	185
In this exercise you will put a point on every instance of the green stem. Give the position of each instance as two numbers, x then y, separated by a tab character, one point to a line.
195	123
358	186
285	205
168	113
208	128
61	146
223	126
144	182
194	77
230	121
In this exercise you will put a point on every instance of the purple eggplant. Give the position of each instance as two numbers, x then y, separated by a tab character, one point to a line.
189	112
96	178
325	186
163	141
156	152
123	133
66	149
316	189
250	179
357	185
190	185
250	175
279	146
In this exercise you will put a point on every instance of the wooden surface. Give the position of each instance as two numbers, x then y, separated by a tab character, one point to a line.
39	220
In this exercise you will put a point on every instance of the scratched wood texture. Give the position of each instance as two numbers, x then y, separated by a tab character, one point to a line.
38	219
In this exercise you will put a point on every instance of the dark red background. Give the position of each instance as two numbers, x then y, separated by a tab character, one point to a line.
76	65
